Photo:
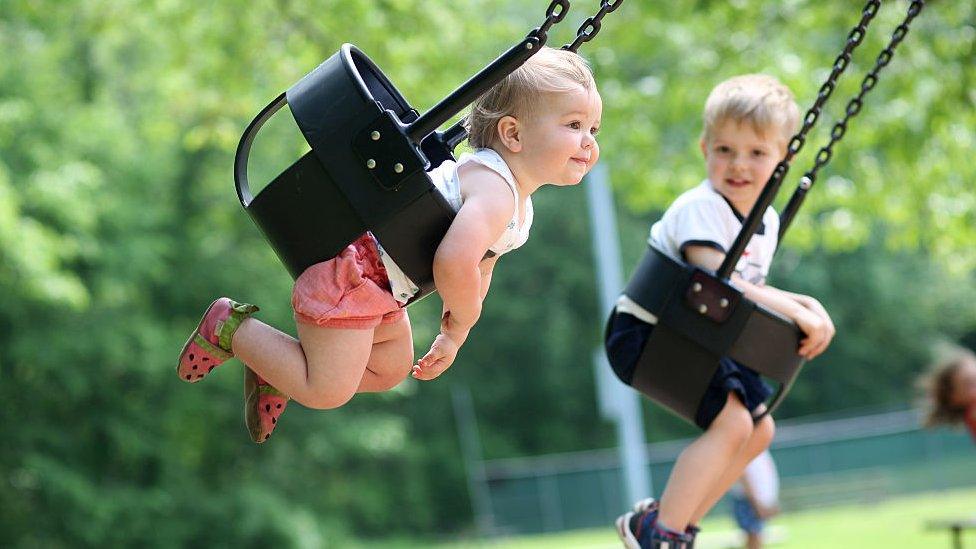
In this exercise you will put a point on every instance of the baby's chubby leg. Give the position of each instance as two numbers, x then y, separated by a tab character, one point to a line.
702	464
322	369
762	435
391	358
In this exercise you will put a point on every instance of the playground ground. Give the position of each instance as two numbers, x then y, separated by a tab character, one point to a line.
895	522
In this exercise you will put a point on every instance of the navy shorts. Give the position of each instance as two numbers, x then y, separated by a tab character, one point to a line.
745	515
625	341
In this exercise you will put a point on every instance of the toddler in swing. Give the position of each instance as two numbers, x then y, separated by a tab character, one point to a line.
950	389
748	122
538	126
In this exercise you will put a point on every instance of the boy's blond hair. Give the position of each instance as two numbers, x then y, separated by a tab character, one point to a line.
548	71
758	99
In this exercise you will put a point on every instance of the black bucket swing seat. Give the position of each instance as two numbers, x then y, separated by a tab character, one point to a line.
370	152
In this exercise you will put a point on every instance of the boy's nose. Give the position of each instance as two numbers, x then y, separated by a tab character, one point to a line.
738	163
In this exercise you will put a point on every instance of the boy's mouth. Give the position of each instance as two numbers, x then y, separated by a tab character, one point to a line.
737	182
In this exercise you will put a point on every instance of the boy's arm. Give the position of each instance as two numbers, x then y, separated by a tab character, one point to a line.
458	275
805	300
818	330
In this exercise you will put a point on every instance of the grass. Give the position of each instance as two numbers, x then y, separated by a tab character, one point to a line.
894	522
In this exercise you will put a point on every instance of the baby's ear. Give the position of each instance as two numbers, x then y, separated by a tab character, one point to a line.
701	145
509	133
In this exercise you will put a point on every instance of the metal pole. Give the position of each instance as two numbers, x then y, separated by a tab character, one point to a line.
474	465
617	401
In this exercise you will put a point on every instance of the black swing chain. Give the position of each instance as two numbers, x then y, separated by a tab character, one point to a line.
855	104
854	39
840	128
554	14
591	26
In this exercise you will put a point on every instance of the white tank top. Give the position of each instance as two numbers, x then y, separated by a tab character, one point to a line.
445	178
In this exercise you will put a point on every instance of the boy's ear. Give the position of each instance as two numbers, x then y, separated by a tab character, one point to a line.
509	133
701	145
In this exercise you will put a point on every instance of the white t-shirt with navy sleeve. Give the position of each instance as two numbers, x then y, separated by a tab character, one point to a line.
703	217
445	178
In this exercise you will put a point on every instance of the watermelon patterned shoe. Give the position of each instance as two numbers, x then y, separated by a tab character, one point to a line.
210	343
263	405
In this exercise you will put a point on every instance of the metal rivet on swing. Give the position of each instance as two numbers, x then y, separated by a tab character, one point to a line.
696	287
528	46
723	303
703	309
398	167
371	163
375	136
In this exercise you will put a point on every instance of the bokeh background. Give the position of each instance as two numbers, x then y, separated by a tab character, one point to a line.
118	224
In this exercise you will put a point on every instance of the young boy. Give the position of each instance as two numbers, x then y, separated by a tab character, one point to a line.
748	122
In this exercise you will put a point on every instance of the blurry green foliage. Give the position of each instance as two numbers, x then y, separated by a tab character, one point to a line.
118	124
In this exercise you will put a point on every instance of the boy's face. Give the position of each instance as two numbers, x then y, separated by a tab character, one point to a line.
739	161
559	139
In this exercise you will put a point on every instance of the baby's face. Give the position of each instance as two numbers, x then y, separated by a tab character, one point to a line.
964	385
559	139
739	161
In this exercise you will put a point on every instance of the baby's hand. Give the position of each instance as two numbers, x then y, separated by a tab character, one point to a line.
441	355
818	330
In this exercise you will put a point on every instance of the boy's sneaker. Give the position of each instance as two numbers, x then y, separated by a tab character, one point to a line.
652	504
638	529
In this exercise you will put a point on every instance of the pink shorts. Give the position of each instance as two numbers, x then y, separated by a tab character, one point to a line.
350	290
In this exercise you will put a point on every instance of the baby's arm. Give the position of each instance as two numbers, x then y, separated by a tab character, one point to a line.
458	274
819	330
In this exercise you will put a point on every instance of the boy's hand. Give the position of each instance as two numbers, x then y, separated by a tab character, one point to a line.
441	355
818	330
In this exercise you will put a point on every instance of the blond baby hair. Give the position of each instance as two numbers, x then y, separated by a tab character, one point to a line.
757	99
548	71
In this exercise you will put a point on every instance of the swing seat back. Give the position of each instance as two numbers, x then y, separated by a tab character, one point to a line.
701	319
362	174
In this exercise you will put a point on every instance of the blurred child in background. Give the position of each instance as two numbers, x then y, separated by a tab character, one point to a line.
756	498
950	389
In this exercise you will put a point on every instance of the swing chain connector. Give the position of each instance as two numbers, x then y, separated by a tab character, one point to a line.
591	25
554	13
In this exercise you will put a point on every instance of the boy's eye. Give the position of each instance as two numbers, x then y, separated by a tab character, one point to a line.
759	152
722	149
575	125
594	131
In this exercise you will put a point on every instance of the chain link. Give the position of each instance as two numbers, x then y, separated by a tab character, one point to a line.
554	14
591	26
